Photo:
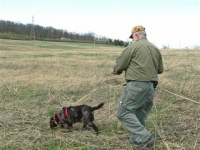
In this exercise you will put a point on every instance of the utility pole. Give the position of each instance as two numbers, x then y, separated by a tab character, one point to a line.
32	35
74	35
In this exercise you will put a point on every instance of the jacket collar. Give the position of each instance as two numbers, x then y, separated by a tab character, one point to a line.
143	38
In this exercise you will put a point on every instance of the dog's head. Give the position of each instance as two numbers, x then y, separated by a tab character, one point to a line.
54	121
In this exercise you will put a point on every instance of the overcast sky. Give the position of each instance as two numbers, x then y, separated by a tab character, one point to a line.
168	22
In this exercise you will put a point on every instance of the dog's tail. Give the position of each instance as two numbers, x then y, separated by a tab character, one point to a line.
97	107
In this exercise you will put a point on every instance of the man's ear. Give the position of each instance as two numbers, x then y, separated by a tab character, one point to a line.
137	35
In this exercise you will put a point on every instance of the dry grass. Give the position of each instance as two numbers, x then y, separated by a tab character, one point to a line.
38	78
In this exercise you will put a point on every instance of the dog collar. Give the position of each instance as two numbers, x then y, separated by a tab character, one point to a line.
66	113
60	118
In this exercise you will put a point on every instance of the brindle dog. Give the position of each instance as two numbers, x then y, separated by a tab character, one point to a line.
73	114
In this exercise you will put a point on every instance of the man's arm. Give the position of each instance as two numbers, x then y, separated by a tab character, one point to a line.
123	61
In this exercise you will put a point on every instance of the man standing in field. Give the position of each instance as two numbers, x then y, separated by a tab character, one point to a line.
142	62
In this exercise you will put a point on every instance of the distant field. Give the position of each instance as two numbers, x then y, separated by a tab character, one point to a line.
37	78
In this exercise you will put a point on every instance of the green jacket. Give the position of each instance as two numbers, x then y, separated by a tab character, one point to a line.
141	61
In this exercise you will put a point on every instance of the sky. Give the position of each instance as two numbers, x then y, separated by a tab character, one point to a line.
167	22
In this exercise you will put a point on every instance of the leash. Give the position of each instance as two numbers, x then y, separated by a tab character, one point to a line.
179	96
144	111
92	91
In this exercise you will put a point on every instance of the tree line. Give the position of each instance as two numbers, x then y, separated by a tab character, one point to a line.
41	33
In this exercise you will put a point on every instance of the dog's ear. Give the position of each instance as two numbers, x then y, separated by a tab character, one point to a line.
52	123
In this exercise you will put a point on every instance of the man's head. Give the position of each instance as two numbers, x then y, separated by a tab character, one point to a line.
137	33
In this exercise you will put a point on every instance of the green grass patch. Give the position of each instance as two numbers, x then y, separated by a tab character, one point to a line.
78	146
11	148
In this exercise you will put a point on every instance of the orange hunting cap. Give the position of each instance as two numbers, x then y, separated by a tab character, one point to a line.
136	29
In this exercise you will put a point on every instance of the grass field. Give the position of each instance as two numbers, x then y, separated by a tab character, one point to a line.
38	78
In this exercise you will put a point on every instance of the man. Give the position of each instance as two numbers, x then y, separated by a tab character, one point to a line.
142	62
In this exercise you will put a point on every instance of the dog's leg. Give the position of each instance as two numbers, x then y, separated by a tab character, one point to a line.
69	124
84	126
91	124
